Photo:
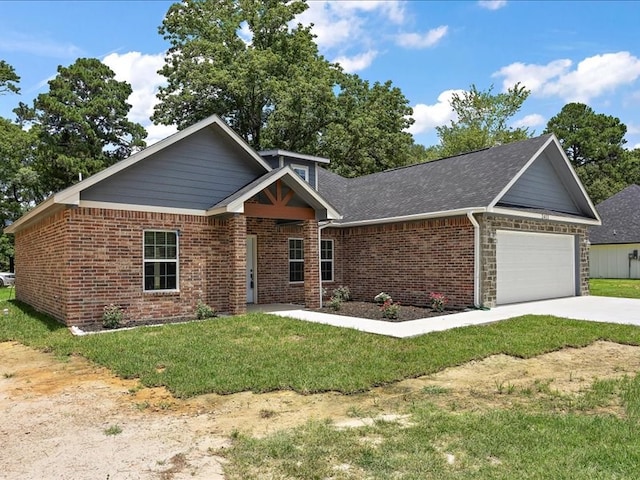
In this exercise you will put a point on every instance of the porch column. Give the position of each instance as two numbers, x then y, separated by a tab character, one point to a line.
238	264
311	265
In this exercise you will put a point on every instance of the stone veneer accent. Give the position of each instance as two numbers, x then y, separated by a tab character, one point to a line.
490	223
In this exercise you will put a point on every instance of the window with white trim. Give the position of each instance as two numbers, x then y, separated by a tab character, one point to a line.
160	260
326	260
302	171
296	260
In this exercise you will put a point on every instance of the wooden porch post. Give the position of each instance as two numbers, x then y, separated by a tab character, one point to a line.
238	264
311	265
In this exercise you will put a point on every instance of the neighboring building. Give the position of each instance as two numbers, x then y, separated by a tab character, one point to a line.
201	216
615	245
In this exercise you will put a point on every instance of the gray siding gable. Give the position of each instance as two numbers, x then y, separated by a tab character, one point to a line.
277	161
540	186
194	173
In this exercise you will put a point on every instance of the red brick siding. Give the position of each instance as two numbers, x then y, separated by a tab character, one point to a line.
41	259
103	265
408	260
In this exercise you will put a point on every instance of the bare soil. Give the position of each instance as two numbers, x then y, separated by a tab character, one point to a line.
373	311
55	414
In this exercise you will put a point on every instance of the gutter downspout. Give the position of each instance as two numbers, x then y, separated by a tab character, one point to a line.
476	260
320	228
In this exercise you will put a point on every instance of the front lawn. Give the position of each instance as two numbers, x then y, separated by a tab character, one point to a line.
615	287
263	353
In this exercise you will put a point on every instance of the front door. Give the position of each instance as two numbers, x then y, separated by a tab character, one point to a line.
251	269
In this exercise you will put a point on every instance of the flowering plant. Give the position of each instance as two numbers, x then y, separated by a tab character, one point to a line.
438	301
382	297
390	310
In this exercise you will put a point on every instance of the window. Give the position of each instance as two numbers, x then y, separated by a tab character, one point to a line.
302	171
326	260
160	260
296	260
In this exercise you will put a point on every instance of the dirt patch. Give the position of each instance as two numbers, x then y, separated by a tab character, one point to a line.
58	419
373	311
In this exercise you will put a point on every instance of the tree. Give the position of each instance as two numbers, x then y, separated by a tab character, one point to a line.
81	124
370	133
274	88
8	79
594	143
586	136
482	120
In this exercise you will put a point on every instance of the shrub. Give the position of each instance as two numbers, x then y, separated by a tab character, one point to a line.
204	311
382	297
438	301
342	293
334	303
112	316
390	310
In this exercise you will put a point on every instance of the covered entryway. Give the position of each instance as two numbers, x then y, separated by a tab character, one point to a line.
534	266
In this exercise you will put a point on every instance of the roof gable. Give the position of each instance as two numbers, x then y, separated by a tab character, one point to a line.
620	218
194	173
474	181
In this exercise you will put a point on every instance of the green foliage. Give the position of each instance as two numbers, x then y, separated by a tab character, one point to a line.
81	124
382	297
342	293
8	79
204	311
615	287
368	133
594	143
274	88
334	303
112	316
262	353
113	430
482	118
390	309
438	301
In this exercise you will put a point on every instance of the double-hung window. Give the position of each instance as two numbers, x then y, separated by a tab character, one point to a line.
160	260
302	171
296	260
326	260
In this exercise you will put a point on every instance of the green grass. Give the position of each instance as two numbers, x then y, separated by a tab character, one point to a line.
500	444
615	287
263	353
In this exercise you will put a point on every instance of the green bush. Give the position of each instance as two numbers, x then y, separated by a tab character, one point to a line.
112	316
204	311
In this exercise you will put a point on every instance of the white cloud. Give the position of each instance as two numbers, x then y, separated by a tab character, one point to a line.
533	120
637	145
425	40
428	117
357	62
633	129
592	77
158	132
492	4
533	77
141	71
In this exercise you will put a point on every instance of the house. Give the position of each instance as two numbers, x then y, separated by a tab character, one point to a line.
200	216
615	244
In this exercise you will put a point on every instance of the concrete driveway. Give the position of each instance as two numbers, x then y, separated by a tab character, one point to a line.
591	308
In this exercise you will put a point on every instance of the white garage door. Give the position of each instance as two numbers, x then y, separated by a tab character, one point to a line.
534	266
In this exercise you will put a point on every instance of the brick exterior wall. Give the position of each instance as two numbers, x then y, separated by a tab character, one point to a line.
490	223
40	259
407	260
94	258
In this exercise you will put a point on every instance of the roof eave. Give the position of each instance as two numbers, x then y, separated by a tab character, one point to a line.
544	216
409	218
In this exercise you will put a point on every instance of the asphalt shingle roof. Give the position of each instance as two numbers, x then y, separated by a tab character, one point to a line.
620	216
464	181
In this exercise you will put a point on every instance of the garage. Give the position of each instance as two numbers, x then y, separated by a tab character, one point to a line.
534	266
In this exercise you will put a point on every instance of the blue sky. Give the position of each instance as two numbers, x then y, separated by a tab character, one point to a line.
561	51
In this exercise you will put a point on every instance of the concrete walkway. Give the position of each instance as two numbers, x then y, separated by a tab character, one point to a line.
596	309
